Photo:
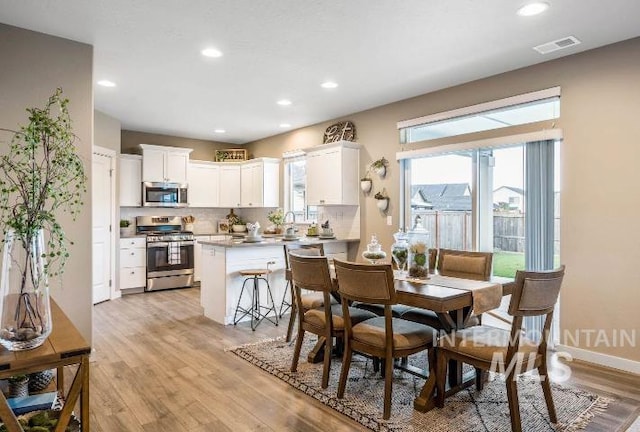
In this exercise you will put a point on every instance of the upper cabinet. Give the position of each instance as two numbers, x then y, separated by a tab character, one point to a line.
260	183
130	180
204	180
229	189
164	164
333	174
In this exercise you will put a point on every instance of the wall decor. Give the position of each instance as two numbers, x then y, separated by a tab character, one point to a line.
380	166
343	131
366	183
382	200
231	155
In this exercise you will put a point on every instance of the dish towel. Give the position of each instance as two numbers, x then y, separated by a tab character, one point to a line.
173	253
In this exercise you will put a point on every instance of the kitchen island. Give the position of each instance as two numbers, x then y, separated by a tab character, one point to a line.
222	260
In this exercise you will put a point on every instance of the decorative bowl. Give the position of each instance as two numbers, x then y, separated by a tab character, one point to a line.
239	228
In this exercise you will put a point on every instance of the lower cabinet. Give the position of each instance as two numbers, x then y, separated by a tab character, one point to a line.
197	256
133	262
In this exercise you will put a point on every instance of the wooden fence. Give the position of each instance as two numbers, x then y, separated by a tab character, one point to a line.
453	230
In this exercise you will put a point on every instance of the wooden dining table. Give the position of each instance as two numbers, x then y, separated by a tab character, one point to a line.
453	307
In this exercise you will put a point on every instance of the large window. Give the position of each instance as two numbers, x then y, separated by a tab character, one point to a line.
296	190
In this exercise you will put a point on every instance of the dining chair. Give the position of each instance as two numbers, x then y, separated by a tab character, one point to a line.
455	263
312	273
384	337
509	352
309	301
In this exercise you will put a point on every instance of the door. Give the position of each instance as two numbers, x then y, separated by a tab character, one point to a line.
230	186
153	169
103	206
203	185
130	181
176	166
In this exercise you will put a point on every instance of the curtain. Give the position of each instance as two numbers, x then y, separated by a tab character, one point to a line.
539	216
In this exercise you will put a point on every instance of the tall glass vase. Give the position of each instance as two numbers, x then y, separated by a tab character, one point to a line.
25	308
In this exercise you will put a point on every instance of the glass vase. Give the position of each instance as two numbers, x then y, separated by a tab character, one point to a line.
400	251
25	309
419	254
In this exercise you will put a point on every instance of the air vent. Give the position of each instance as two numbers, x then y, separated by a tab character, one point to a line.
556	45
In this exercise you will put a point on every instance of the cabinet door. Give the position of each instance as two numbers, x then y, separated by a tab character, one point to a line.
251	185
176	166
130	182
153	166
229	187
197	257
324	179
203	185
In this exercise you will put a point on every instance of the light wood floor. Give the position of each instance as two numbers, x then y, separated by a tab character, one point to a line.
159	365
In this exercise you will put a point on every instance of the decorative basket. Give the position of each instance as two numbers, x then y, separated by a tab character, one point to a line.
40	380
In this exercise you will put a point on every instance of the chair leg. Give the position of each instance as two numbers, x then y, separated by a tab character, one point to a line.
238	308
326	362
292	320
388	387
514	407
296	350
546	389
441	376
344	373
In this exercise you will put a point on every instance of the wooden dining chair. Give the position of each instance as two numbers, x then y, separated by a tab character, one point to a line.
510	352
312	273
309	300
455	263
384	337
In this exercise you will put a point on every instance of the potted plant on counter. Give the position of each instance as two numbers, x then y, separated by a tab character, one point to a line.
276	217
41	176
125	229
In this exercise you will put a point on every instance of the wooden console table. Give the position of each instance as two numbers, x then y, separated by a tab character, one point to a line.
65	346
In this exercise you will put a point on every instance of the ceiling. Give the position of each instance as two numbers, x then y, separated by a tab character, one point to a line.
377	51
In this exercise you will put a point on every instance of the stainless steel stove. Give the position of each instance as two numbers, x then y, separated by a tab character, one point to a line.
169	252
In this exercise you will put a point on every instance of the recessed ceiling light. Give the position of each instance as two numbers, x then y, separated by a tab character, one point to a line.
285	125
534	8
106	83
211	52
329	85
219	131
284	102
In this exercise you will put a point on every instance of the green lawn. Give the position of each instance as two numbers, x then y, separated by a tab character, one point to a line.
506	263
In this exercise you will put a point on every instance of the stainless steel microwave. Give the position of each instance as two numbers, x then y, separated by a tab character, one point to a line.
157	194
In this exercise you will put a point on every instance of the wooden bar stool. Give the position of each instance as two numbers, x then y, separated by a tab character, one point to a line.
257	311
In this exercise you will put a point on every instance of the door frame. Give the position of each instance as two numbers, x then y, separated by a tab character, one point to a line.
114	292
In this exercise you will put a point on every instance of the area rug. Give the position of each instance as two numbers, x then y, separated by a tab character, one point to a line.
468	410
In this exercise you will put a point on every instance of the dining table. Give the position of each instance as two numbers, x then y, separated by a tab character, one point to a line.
452	299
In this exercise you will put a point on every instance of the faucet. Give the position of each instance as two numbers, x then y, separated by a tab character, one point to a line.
293	224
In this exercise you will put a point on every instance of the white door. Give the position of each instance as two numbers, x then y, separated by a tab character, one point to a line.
153	166
229	186
176	167
102	209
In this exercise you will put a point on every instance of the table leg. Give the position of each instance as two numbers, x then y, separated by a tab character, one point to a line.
426	400
84	396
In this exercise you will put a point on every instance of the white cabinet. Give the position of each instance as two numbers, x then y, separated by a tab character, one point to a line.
164	164
197	256
133	262
204	180
130	180
333	174
229	187
260	183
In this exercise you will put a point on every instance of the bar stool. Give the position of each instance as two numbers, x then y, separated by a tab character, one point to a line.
257	311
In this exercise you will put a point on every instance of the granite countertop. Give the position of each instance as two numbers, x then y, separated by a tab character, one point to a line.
275	241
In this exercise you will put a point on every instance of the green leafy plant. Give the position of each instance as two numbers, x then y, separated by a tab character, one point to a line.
380	163
41	175
124	223
381	196
276	217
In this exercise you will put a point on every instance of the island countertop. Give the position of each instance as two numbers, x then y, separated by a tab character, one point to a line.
273	241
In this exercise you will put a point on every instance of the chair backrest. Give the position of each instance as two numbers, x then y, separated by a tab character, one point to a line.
535	293
310	272
465	264
308	250
366	282
433	255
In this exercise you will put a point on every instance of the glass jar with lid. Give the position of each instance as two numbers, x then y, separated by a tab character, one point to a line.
400	251
374	253
419	254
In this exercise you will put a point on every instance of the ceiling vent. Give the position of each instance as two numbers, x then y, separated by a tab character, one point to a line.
556	45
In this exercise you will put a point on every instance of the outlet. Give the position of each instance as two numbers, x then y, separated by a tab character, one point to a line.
389	220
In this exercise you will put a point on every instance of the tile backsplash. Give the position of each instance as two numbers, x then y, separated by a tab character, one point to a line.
345	220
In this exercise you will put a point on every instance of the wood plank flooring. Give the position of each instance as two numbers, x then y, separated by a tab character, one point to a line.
159	365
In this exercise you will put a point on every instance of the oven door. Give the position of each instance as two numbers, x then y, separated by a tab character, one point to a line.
164	194
169	258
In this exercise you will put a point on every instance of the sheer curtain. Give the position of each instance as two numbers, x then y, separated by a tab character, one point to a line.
539	219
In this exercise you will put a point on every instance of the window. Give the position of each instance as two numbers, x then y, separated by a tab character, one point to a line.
295	189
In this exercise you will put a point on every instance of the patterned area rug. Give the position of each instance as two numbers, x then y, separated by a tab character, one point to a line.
468	410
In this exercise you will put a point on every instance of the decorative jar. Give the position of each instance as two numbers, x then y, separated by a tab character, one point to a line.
419	254
400	250
374	253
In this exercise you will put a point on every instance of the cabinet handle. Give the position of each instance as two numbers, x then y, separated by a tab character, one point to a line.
133	242
133	253
321	201
133	272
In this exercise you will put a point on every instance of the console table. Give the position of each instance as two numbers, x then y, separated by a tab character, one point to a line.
65	346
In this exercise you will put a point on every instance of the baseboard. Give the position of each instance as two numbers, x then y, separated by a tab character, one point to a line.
606	360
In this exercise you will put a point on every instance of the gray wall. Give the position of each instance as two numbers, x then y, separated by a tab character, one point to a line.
33	66
202	149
